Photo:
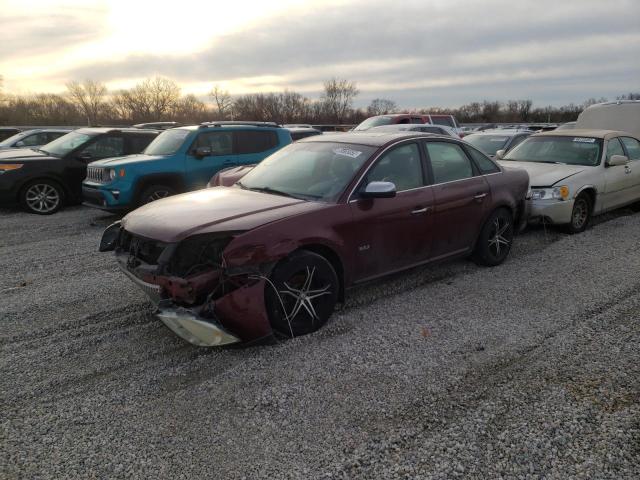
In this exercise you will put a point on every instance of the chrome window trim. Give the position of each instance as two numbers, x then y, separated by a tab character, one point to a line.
351	200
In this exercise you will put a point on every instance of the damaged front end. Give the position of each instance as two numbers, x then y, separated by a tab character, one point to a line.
197	295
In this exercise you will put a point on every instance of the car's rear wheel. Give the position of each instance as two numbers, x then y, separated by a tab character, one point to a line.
580	214
155	192
302	294
496	237
42	197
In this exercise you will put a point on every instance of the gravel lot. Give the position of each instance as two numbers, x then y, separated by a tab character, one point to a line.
528	370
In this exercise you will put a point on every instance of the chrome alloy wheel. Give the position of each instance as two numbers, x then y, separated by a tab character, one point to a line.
580	213
157	195
42	198
302	295
497	241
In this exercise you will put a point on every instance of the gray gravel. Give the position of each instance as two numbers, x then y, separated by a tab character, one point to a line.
528	370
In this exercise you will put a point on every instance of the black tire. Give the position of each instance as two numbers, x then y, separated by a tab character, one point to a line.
580	215
153	193
42	197
291	316
495	239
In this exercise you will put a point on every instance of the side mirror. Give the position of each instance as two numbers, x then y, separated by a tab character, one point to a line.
379	190
500	154
20	144
617	160
203	152
85	157
110	237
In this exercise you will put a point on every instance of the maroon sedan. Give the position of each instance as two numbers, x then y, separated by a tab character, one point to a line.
276	251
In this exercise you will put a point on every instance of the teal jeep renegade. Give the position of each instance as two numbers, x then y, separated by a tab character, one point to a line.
179	160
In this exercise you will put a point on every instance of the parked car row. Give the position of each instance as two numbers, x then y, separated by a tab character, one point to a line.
285	229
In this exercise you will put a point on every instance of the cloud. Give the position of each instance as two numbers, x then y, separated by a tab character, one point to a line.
416	51
26	35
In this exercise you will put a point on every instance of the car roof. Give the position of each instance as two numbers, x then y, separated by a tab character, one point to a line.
507	132
34	130
583	133
302	129
370	138
98	130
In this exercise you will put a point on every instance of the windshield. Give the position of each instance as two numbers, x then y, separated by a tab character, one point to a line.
167	143
489	144
567	150
374	122
66	143
317	171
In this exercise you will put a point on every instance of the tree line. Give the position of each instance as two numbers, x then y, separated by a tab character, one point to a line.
160	99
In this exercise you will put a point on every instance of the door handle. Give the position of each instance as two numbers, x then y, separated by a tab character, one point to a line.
418	210
627	169
479	196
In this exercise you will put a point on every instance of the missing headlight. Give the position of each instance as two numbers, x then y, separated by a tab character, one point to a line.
198	253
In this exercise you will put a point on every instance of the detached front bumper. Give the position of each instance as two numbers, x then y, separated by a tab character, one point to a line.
556	212
187	324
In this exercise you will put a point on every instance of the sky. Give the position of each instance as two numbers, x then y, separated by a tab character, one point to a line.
414	52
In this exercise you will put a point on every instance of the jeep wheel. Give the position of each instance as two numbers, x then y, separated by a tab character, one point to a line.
155	192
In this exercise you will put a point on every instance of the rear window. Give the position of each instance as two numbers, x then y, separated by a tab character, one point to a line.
255	141
375	122
137	143
443	120
489	144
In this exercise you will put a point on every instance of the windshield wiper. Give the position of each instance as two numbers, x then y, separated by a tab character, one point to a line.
272	191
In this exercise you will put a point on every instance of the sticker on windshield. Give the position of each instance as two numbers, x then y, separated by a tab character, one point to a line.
498	139
347	152
584	140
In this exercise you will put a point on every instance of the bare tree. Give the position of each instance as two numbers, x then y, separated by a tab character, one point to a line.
381	106
338	97
628	96
223	101
150	100
190	110
88	97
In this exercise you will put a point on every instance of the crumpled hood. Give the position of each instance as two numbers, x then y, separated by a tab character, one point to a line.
121	161
544	174
217	209
23	155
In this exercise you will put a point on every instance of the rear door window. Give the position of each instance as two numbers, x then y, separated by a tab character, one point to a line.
35	139
221	143
484	163
255	141
105	147
448	162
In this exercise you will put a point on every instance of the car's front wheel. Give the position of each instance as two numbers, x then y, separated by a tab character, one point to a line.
580	214
42	197
301	294
155	192
494	243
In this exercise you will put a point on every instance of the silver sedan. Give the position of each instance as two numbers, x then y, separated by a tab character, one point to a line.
575	174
